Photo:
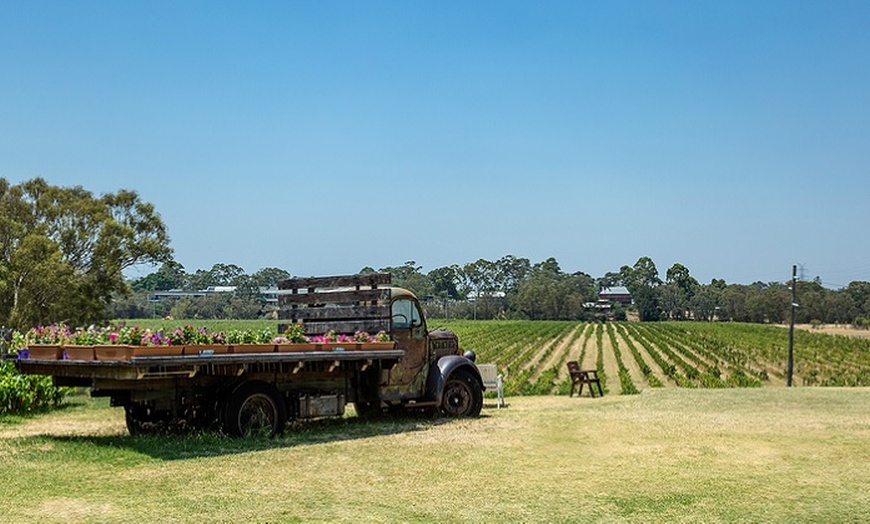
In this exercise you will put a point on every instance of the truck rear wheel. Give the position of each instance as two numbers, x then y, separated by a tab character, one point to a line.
136	424
143	421
462	395
255	409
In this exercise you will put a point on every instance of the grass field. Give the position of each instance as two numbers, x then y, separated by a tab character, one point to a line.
670	454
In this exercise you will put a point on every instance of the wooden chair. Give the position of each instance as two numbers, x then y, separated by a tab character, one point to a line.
583	376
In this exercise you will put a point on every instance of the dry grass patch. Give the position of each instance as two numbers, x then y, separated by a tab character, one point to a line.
835	329
765	454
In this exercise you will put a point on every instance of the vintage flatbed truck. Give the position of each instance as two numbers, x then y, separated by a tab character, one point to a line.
257	393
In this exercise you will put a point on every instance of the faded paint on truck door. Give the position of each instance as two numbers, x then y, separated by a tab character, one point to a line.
408	377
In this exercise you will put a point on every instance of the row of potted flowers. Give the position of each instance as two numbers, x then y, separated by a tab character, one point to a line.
123	342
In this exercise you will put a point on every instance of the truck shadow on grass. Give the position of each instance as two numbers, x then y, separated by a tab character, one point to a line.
201	444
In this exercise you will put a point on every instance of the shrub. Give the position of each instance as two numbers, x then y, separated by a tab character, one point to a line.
22	394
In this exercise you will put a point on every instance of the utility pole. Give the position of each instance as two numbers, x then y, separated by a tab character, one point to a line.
790	370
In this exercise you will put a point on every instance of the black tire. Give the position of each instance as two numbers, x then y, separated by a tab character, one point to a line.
462	395
255	409
134	423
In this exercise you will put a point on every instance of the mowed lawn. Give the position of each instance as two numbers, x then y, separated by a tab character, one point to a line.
761	454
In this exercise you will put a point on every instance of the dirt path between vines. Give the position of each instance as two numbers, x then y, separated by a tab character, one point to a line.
514	364
630	363
533	362
589	360
656	369
611	367
559	356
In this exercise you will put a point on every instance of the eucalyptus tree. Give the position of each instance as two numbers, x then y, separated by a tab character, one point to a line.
63	250
859	292
549	294
168	276
409	276
642	279
677	293
444	281
510	271
704	304
642	274
270	276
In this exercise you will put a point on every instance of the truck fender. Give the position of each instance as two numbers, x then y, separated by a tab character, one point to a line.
441	371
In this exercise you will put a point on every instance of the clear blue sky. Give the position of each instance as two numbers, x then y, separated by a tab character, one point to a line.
322	137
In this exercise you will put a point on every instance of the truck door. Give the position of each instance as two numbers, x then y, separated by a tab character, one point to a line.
409	332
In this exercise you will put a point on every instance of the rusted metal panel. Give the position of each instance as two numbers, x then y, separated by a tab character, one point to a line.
368	280
337	297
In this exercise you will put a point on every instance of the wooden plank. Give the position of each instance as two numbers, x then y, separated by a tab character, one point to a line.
347	327
337	297
369	280
335	313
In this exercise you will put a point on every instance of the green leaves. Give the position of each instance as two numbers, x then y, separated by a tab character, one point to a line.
63	250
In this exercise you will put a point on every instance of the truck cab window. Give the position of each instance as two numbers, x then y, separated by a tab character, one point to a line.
406	315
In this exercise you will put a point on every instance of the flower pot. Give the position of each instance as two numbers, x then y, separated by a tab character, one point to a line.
340	346
253	348
298	346
158	351
113	352
44	352
76	352
206	349
377	345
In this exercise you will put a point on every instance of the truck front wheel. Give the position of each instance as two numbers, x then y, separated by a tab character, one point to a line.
462	395
255	409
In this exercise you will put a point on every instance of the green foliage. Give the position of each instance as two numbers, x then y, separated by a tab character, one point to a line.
64	250
23	394
549	294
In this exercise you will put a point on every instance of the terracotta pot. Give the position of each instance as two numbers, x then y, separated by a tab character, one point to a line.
44	352
340	346
113	352
158	351
76	352
253	348
206	349
378	345
298	346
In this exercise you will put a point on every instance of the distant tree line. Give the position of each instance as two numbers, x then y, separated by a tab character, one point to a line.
63	251
244	302
515	288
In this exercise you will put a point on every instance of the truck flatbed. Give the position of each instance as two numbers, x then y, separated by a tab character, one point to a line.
160	366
